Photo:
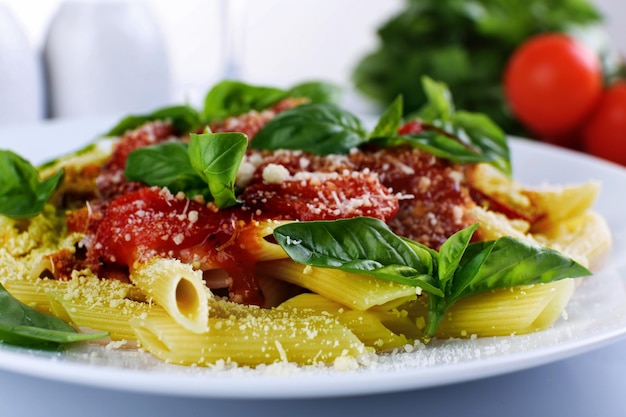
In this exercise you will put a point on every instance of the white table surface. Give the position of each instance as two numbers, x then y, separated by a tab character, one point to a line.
590	384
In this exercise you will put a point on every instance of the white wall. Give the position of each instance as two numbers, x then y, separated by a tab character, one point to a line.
286	41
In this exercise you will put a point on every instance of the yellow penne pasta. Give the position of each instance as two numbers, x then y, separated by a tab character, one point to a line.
112	317
496	225
371	327
269	251
562	203
355	291
546	205
503	312
93	154
586	238
249	336
33	293
176	287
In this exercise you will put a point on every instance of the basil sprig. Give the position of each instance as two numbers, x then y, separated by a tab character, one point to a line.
232	98
458	270
165	165
184	119
459	136
216	157
319	128
24	326
323	128
207	166
22	193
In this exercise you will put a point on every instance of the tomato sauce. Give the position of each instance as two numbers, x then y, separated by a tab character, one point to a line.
417	194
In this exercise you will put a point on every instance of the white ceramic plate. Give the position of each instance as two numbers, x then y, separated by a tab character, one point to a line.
595	316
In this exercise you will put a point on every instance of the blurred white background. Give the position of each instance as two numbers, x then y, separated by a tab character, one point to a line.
286	41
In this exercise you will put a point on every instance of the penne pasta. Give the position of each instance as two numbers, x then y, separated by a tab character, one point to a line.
381	330
355	291
249	336
176	287
504	312
586	238
562	203
112	317
269	251
33	293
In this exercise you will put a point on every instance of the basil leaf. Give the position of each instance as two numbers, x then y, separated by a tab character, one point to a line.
458	270
474	257
451	253
22	193
481	133
217	157
439	106
478	138
443	147
165	165
232	98
357	245
316	92
24	326
390	121
514	262
319	128
183	118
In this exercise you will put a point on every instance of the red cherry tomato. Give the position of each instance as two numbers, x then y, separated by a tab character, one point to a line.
551	83
604	134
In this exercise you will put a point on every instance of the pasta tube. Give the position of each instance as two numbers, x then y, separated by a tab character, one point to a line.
176	287
112	317
356	291
33	293
586	238
269	251
248	335
370	326
503	312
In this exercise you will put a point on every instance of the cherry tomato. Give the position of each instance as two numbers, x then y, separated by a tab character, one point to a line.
551	83
604	134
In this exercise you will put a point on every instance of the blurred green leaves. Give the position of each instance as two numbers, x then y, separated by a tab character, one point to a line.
465	44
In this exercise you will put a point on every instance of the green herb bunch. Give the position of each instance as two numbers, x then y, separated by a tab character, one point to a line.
465	44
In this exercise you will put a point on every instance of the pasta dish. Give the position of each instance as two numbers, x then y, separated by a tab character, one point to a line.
272	226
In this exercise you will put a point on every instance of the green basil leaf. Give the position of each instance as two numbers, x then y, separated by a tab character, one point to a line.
317	92
165	165
22	193
217	157
25	326
442	146
478	131
479	138
183	118
319	128
366	245
473	259
451	253
232	98
514	262
390	121
358	245
439	106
